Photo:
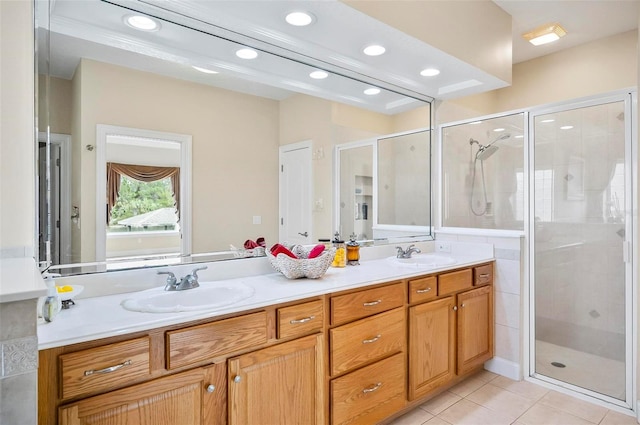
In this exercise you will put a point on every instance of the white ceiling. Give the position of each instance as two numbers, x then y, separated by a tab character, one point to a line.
94	29
584	21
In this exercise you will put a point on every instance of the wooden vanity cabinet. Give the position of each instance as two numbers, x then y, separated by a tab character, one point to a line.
452	335
281	384
194	397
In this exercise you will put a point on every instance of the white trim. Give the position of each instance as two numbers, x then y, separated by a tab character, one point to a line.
143	254
504	367
150	234
102	131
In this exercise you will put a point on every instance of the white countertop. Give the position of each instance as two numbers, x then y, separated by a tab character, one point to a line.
102	317
20	280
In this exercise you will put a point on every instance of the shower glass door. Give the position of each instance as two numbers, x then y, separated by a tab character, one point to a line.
581	224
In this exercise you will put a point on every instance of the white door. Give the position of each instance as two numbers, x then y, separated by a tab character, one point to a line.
295	193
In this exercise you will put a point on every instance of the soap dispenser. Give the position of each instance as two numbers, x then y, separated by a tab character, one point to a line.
52	304
353	251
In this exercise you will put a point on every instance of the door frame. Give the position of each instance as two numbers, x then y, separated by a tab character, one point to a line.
629	97
64	141
282	150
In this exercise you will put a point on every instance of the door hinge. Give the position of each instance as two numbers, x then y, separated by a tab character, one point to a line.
282	168
57	224
57	162
281	221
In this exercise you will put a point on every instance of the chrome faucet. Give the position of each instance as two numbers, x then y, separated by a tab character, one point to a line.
190	281
406	253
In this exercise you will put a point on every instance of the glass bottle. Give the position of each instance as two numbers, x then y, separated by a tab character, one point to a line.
340	258
353	251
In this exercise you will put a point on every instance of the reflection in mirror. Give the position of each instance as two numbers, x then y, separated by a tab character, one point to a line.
403	185
105	73
356	191
483	173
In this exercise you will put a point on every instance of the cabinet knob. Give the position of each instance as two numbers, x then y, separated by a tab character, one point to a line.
455	308
211	388
237	379
462	305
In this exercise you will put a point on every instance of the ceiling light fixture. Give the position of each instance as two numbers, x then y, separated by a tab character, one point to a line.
374	50
548	120
141	22
371	91
205	70
247	54
545	34
299	19
498	130
566	127
319	75
519	136
429	72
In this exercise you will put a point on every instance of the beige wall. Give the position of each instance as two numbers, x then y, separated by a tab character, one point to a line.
17	186
234	154
597	67
60	92
475	31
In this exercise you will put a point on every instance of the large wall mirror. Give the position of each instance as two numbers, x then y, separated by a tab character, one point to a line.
235	112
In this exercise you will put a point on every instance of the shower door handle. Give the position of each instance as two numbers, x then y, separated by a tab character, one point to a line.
305	234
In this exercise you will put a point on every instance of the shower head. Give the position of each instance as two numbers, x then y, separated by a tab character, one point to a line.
485	152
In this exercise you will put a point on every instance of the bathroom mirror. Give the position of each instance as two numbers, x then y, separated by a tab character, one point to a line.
102	72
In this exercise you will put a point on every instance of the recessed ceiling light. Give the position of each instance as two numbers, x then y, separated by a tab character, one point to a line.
548	120
566	127
141	22
247	54
519	136
545	34
299	19
429	72
319	75
374	50
372	91
205	70
475	122
497	130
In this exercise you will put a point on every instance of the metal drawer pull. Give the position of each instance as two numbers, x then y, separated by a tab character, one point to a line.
374	339
484	275
370	303
422	291
305	320
372	389
107	369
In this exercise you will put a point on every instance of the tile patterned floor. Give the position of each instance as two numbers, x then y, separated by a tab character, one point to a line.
490	399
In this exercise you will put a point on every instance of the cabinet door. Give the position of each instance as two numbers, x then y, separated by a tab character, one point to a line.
475	328
431	345
176	399
282	384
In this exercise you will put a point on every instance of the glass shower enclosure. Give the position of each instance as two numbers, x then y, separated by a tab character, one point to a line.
580	183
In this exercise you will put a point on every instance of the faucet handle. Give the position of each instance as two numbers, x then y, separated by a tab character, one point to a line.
171	280
195	271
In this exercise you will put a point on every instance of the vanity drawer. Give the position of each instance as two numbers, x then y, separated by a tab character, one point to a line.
423	289
368	339
104	368
370	394
300	319
198	343
483	274
449	283
345	308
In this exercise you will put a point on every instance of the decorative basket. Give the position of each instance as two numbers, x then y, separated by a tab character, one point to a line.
295	268
246	253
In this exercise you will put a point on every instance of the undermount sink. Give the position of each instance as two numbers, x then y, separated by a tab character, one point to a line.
208	296
424	261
